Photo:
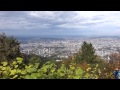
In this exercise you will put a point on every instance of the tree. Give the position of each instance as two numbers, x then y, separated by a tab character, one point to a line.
115	60
88	53
9	48
77	56
32	58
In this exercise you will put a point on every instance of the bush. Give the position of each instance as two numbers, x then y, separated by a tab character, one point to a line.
9	48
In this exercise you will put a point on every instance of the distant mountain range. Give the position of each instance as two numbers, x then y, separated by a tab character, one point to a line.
61	37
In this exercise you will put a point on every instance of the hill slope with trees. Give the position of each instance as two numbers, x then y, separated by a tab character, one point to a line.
82	65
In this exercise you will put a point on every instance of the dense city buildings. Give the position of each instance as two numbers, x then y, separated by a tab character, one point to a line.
62	48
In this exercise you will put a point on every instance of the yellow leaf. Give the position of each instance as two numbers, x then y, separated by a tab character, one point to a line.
14	63
24	72
3	68
5	63
8	68
15	76
19	71
16	66
5	73
19	60
13	72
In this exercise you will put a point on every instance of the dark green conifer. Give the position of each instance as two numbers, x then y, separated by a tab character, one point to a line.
9	48
88	53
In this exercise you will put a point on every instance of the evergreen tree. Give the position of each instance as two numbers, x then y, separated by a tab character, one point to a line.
77	56
88	53
9	48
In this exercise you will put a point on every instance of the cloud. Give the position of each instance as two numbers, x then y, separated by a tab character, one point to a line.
94	22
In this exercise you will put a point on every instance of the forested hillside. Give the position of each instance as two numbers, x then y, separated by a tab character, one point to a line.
83	65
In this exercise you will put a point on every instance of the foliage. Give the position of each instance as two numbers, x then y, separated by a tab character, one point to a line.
9	48
83	65
31	58
19	70
16	69
115	60
88	53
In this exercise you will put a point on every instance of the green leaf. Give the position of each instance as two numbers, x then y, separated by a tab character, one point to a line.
53	70
14	63
24	72
72	67
70	76
19	60
4	63
30	70
5	73
44	68
16	66
62	74
3	68
77	77
26	66
19	71
86	76
34	75
15	76
13	72
79	71
8	68
36	65
27	77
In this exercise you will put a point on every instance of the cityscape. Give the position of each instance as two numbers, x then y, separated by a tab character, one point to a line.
59	44
63	48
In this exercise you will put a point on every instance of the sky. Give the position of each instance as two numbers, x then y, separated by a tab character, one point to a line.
37	23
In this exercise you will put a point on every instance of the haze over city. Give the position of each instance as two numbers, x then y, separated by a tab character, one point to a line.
45	23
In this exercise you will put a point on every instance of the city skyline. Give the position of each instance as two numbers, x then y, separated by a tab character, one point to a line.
46	23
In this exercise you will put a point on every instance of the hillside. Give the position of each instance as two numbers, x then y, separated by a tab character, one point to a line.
85	64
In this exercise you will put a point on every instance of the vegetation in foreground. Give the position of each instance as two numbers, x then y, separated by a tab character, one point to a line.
83	65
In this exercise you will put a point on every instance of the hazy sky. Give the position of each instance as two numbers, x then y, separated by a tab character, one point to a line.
60	22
